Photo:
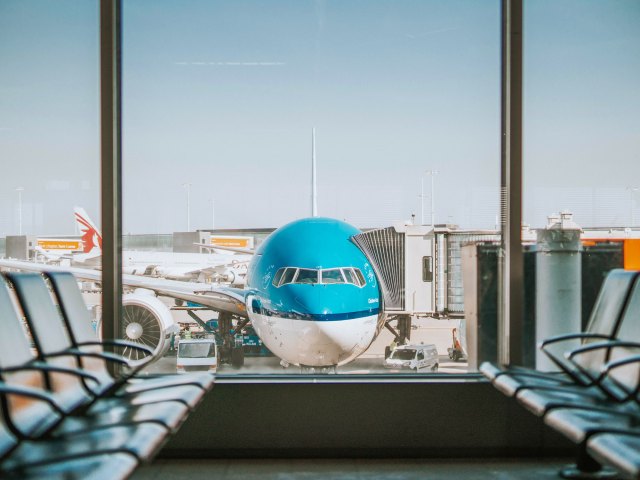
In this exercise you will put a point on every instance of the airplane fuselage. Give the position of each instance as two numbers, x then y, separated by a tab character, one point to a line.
314	298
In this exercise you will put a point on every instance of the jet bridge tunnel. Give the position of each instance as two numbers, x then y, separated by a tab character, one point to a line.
419	270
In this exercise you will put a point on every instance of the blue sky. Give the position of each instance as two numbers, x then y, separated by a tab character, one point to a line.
223	95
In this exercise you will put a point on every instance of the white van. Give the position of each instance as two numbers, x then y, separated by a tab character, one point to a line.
197	354
414	357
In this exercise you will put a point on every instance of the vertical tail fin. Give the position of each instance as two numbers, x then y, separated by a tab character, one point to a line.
91	237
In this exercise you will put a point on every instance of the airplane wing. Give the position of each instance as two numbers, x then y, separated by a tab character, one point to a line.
220	299
247	251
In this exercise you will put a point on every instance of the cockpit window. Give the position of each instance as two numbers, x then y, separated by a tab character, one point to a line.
277	277
348	275
333	275
306	275
288	275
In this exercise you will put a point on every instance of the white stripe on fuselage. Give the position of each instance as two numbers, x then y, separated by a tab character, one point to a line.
315	343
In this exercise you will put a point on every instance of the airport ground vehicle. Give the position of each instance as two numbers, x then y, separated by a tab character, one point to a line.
414	357
197	354
252	345
457	351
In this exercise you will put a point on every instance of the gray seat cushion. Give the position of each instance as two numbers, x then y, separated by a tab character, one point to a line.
619	450
96	467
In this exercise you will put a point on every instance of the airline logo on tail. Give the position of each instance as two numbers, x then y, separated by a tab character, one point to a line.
91	238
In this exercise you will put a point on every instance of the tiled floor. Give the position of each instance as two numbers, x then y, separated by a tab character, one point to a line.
358	469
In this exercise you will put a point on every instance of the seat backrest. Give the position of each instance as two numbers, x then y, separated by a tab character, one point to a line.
77	319
627	377
612	299
15	351
14	345
74	310
626	328
49	335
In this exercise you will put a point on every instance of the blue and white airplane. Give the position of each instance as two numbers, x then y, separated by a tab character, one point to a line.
311	295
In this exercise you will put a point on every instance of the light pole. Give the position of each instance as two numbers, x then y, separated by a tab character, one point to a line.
632	211
421	199
188	187
213	214
432	174
20	190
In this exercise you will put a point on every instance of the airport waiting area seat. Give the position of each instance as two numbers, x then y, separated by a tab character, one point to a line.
602	325
82	337
595	400
63	415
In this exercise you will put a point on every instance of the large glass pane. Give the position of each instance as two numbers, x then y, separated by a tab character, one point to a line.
241	117
49	140
581	144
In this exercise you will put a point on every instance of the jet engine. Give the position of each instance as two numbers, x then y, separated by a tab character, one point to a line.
147	321
237	277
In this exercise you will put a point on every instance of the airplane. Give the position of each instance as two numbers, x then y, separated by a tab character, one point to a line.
230	267
311	295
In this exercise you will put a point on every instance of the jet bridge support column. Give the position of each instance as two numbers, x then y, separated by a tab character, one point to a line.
404	329
224	328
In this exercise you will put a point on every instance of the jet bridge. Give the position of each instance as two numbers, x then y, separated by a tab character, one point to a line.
402	257
419	269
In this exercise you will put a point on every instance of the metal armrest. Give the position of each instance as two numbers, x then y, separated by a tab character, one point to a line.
599	346
118	343
108	357
571	336
622	362
72	352
608	346
561	338
45	367
115	358
31	393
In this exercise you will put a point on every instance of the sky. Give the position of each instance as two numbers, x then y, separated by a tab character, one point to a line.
220	98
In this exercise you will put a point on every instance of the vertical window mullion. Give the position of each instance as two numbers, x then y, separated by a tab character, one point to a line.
110	163
510	322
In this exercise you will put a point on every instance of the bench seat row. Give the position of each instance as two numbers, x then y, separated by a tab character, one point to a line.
63	413
593	398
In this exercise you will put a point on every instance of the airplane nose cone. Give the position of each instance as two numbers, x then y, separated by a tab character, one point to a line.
316	325
323	343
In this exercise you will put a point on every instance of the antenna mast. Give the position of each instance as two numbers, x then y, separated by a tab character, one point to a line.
314	189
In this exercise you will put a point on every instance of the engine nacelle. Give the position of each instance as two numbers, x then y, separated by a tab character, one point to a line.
147	321
236	277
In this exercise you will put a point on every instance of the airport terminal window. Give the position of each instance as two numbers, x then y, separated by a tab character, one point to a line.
369	90
580	122
222	111
49	132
